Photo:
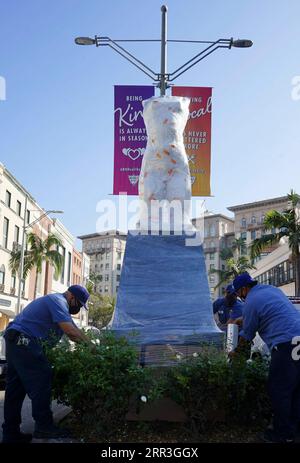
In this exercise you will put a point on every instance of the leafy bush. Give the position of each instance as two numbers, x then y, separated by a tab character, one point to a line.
99	383
212	390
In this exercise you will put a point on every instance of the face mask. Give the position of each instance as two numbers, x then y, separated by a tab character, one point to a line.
74	310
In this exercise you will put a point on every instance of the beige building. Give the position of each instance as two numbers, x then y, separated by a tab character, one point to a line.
106	251
275	264
15	202
248	218
218	235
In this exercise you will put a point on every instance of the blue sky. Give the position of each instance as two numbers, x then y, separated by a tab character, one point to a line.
56	125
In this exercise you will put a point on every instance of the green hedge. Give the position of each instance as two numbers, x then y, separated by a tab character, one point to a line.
100	383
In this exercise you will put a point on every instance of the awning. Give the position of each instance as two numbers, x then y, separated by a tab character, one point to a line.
9	313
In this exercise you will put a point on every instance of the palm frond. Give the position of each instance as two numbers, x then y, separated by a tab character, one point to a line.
265	241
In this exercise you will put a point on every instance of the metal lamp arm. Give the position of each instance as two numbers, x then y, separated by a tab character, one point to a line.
185	68
106	41
37	220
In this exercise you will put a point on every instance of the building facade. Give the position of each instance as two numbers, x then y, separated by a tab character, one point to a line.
249	218
274	266
218	235
106	252
18	209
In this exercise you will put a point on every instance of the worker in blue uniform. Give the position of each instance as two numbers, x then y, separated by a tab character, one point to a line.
28	370
270	313
228	308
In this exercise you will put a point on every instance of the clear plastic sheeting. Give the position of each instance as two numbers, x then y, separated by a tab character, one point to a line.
163	297
165	173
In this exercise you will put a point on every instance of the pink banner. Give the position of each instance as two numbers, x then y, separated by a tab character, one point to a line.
130	136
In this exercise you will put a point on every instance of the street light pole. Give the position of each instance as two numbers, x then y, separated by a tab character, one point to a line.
162	79
163	59
23	246
21	268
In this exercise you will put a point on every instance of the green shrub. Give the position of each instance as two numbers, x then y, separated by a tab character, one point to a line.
211	389
99	383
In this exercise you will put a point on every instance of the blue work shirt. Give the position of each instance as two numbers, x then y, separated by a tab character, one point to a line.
226	312
40	318
270	313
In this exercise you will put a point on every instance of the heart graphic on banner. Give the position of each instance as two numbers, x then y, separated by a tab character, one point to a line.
133	154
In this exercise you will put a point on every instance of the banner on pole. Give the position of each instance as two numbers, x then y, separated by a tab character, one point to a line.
197	136
130	136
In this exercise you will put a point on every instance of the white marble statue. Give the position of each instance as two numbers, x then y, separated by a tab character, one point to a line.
165	173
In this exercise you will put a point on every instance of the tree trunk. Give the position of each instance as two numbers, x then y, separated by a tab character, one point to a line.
36	281
296	264
46	279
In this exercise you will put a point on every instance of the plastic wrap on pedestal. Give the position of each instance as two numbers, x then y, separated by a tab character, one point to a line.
163	297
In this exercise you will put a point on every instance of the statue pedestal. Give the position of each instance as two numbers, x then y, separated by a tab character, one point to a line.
163	298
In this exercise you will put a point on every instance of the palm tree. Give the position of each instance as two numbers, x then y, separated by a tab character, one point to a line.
288	225
233	267
39	251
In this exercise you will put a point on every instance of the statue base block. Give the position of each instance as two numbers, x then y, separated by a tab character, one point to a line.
163	297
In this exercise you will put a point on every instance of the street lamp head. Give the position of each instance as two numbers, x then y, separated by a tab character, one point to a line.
85	41
55	212
242	43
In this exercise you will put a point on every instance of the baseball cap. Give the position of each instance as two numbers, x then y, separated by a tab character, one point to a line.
242	280
230	289
80	293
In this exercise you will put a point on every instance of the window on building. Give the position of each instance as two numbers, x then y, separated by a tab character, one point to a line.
211	266
212	256
244	236
118	266
106	278
28	217
107	256
101	267
106	266
69	268
211	278
19	208
106	289
118	277
253	219
5	232
212	230
16	234
262	219
119	255
253	234
212	244
8	198
243	222
2	275
223	267
62	276
13	281
117	288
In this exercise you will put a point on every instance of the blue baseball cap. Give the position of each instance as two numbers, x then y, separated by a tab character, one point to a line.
230	289
80	293
242	280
